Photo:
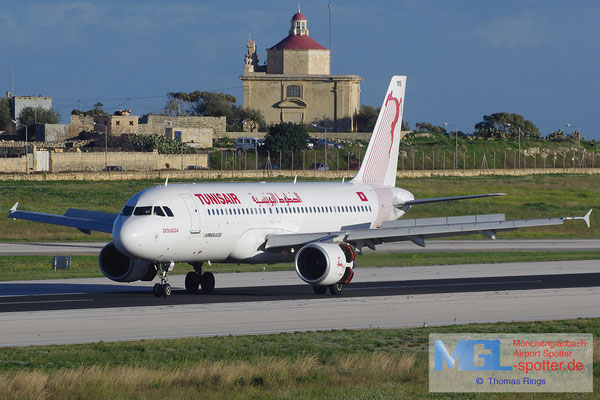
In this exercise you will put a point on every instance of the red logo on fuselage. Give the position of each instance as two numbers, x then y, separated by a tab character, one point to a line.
218	198
362	196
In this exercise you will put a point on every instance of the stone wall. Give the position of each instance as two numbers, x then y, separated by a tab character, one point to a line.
130	161
157	124
82	122
55	132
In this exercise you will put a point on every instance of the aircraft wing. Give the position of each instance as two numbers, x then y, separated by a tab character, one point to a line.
84	220
416	230
444	199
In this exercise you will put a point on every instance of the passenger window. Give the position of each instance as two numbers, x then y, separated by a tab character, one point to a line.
168	211
158	211
127	211
142	211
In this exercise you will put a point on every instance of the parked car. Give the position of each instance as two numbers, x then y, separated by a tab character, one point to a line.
354	166
248	143
319	166
112	168
309	144
321	143
194	167
267	166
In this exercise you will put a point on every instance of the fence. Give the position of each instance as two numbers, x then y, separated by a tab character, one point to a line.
409	159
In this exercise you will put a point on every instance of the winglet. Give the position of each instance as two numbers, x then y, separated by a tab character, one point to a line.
14	208
586	217
166	181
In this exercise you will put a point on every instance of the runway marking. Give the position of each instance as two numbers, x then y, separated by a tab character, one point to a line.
441	285
46	301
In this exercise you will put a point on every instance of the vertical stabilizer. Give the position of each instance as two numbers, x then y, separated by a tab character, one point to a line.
381	159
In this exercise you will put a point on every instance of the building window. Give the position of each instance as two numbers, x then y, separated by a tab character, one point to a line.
294	91
131	123
118	123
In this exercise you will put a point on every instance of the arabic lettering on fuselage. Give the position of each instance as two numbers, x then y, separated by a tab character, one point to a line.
272	198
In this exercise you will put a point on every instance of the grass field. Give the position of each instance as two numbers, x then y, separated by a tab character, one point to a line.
14	268
346	364
528	197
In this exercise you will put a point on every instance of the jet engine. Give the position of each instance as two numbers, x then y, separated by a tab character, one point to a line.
325	263
121	268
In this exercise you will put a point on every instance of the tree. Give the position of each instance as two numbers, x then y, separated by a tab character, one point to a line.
506	125
206	104
175	108
5	117
427	127
366	118
30	116
96	111
211	104
556	136
241	116
286	136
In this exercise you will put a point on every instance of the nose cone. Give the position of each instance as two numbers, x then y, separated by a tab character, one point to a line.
127	237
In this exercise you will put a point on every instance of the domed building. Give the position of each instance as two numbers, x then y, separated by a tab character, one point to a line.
296	84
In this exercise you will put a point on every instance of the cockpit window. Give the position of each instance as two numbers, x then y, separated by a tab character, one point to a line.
142	211
127	211
158	211
168	211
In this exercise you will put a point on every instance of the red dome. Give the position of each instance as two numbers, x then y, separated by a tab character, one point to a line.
298	17
298	42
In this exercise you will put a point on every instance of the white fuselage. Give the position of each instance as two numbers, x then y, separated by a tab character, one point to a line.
230	221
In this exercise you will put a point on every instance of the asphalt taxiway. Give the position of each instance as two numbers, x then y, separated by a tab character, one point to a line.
86	310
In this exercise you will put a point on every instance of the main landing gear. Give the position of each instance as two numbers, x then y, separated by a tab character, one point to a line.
197	279
163	288
334	289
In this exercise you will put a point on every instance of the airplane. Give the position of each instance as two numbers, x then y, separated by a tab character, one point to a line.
318	226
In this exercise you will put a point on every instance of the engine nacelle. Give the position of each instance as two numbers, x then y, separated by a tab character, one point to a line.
324	263
121	268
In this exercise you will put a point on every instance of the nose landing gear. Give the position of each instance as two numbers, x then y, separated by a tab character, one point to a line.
197	279
163	288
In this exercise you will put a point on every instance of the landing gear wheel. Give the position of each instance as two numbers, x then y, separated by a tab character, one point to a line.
336	288
166	290
157	290
319	289
207	282
192	282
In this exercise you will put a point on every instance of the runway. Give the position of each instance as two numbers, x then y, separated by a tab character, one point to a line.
87	310
93	248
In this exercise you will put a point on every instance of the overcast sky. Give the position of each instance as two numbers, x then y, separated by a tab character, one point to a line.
463	59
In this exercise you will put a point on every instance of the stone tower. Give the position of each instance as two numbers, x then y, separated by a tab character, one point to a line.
296	84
